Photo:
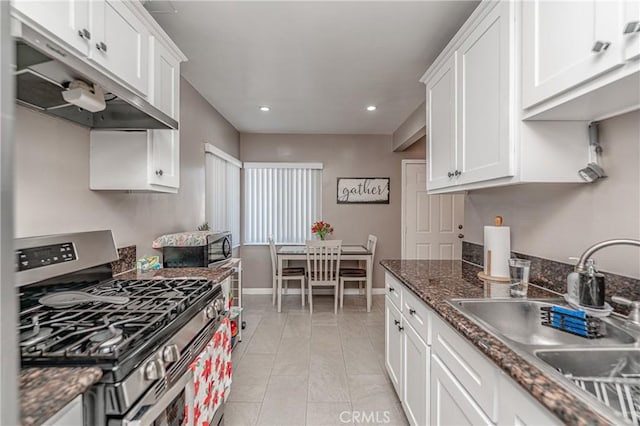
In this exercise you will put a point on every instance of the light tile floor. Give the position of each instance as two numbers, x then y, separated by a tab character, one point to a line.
293	368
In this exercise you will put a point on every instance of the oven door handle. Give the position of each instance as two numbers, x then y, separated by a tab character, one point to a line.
156	407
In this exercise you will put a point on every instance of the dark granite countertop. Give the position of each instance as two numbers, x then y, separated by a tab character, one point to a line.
436	281
45	391
216	275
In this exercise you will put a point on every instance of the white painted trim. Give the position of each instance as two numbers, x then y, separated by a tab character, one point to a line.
251	165
403	224
211	149
324	291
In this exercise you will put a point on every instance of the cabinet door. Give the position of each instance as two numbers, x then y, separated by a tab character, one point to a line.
164	158
441	108
67	20
517	408
120	43
559	45
485	148
450	404
416	357
393	345
71	415
165	87
631	29
164	146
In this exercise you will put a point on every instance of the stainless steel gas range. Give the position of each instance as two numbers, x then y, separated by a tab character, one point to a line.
143	334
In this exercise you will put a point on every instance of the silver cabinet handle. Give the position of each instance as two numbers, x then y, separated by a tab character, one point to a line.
412	311
600	46
450	174
159	172
457	173
101	47
461	236
85	34
400	328
631	27
396	322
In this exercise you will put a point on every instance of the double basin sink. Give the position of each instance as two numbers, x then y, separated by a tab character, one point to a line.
608	368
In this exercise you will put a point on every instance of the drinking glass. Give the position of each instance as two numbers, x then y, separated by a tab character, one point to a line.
519	273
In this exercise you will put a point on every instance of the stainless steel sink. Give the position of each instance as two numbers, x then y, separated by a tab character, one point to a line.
519	321
594	362
612	376
607	369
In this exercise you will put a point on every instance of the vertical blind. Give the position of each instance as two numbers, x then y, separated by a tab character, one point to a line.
222	192
281	200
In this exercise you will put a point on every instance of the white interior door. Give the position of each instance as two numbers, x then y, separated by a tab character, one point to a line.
432	223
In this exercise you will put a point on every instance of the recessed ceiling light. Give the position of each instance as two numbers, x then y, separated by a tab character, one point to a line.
371	108
265	108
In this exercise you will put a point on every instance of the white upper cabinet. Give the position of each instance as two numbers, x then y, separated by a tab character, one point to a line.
565	43
631	29
120	43
165	79
477	138
66	20
441	125
484	149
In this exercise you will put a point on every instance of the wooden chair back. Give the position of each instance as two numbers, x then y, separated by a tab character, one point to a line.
323	261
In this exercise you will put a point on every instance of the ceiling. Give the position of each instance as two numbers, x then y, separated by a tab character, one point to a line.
316	64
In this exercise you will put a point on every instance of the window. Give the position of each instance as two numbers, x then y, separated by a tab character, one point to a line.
281	200
222	192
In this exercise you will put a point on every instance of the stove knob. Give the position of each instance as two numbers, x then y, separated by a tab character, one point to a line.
210	312
171	353
154	370
218	304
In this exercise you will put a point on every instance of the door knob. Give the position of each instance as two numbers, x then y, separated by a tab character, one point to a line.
461	236
460	226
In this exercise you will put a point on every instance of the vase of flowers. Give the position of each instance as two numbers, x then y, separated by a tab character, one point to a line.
322	229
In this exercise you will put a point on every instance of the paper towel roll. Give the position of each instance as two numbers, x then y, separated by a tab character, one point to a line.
497	240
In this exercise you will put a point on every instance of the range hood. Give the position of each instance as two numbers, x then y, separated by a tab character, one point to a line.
44	68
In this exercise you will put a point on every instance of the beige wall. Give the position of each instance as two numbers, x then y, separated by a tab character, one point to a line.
52	178
558	221
342	155
411	130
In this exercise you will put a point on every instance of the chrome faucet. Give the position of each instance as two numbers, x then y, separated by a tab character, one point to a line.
580	266
634	314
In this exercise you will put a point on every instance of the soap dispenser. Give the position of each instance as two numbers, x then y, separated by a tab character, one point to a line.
573	285
591	287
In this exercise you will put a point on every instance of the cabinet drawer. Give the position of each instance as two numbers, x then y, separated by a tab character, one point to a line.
478	376
417	314
393	289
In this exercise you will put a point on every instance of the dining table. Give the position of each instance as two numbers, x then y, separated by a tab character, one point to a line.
348	252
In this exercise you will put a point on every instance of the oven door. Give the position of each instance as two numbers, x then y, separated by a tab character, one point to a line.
151	410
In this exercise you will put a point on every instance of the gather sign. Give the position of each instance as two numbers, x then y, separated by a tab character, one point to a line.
363	190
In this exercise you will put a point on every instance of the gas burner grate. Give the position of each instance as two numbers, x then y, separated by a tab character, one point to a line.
106	331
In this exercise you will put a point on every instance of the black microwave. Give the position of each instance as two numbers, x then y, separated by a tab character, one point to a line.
217	250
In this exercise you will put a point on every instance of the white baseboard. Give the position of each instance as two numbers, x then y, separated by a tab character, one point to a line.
347	291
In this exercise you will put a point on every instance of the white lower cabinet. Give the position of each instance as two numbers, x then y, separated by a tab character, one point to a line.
442	379
70	415
393	344
450	403
415	375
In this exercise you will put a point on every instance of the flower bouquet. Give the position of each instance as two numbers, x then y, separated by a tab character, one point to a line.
321	229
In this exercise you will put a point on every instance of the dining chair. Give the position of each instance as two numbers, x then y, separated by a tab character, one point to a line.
288	274
357	274
323	267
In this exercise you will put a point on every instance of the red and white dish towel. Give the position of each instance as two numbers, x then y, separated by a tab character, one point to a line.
211	378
